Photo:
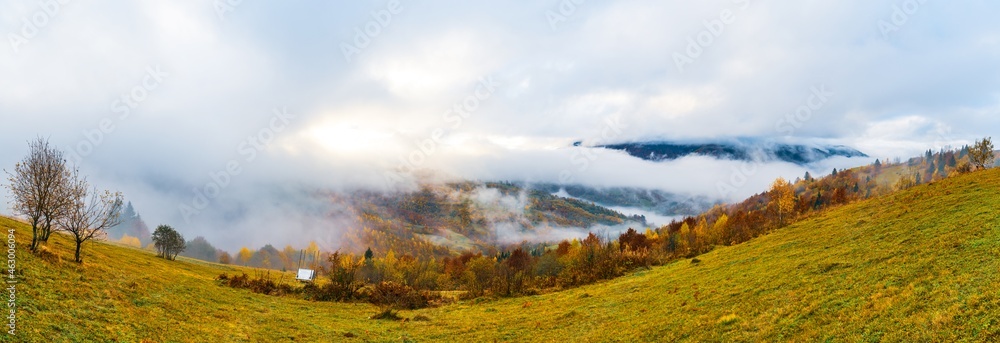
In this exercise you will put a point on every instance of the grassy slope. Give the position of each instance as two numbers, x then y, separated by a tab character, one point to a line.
920	265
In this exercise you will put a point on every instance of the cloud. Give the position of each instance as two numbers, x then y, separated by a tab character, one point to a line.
928	84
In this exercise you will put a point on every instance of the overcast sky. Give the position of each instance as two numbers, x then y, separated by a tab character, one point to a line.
160	98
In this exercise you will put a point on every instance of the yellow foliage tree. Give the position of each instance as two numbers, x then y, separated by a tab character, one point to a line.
683	241
390	258
651	234
783	198
245	255
718	232
701	236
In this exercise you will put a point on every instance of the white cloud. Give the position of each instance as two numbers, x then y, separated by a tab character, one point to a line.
932	83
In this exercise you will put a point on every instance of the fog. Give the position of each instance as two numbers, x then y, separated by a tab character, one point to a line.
235	125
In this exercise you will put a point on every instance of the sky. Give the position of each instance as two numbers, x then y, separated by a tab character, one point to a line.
227	117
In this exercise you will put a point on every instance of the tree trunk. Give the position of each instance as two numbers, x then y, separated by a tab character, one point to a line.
78	244
34	240
46	232
34	235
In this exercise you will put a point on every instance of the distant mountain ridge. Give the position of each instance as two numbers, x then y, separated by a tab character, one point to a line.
800	154
656	201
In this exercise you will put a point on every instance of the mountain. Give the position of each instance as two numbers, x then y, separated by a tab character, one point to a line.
656	201
743	150
912	266
472	216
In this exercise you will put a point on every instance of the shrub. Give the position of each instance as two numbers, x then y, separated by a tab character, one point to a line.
47	255
329	292
261	284
344	282
964	168
390	295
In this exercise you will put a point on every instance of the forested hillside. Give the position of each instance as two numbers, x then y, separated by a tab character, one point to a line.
922	259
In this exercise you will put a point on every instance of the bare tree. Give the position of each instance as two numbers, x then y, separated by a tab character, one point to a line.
40	186
90	213
981	154
59	205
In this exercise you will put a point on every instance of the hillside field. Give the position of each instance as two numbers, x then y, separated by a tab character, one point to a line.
917	265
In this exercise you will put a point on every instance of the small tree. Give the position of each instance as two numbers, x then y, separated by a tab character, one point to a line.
168	242
981	154
225	258
783	197
90	213
479	272
344	283
40	187
632	240
244	255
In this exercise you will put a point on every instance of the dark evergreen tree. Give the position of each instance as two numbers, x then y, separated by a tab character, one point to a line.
132	225
200	248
